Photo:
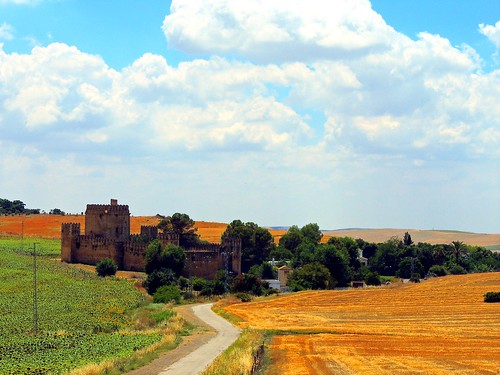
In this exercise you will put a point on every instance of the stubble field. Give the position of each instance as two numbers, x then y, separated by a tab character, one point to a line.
441	326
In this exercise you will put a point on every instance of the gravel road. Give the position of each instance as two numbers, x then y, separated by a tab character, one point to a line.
197	351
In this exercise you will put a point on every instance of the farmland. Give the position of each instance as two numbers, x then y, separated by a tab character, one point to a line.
82	318
440	326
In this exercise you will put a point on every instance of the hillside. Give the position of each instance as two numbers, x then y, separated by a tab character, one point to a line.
418	235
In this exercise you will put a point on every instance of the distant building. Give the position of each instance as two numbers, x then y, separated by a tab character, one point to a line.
107	235
362	259
283	273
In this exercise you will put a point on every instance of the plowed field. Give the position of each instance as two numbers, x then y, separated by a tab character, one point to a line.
441	326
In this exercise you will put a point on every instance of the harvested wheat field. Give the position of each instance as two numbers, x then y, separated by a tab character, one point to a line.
441	326
49	226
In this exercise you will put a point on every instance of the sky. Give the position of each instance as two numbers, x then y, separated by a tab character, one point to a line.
346	113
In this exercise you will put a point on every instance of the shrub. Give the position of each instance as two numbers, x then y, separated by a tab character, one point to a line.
457	270
199	284
166	294
244	297
106	267
492	297
157	279
373	278
415	278
438	270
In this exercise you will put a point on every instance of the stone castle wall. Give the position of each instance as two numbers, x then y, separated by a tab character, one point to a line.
107	235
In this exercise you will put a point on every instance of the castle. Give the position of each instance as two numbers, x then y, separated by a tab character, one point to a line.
107	235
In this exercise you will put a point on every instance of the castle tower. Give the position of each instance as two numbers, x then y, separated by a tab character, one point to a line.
233	246
108	220
70	235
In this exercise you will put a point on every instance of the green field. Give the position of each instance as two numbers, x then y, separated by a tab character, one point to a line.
82	318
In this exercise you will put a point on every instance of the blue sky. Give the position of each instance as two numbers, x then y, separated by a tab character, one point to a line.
345	113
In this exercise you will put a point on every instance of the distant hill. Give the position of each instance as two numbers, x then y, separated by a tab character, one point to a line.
491	241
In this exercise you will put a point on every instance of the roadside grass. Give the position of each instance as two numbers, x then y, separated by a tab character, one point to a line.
238	359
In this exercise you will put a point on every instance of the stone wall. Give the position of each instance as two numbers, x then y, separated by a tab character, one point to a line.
107	235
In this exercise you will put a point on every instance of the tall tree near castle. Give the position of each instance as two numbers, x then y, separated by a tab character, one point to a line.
182	225
256	242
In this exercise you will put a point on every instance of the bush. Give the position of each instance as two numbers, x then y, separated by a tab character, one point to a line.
166	294
244	297
457	270
157	279
492	297
199	284
438	270
415	278
373	278
106	267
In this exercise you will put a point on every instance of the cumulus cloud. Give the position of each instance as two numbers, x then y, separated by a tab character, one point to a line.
492	32
278	30
324	92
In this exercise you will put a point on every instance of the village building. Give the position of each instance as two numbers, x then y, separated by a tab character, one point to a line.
107	235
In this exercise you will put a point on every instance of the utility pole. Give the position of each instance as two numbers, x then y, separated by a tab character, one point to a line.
35	302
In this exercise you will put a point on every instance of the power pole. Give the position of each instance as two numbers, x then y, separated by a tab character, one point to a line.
35	301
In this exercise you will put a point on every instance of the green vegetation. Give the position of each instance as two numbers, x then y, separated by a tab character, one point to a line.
167	294
82	318
106	267
492	297
239	358
15	207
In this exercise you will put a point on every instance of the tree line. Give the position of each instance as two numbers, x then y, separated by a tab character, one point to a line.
316	264
17	207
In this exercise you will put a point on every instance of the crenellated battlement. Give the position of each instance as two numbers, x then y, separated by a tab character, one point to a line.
107	235
135	248
107	208
207	247
149	231
70	228
96	240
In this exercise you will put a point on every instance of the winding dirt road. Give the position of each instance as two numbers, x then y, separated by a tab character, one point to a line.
196	352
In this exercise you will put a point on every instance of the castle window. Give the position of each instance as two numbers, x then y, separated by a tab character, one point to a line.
116	230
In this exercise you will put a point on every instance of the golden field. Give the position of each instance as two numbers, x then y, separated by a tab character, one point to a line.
49	226
441	326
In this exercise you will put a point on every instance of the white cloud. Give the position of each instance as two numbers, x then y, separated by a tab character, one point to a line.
492	32
280	30
20	2
333	103
6	31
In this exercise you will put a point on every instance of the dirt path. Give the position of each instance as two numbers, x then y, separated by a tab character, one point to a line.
211	337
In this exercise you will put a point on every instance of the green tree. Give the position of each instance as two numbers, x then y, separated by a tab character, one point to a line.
159	258
106	267
337	262
256	242
458	249
408	266
182	225
292	239
311	232
407	241
311	276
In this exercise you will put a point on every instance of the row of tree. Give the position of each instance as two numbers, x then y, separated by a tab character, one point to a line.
17	207
317	264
